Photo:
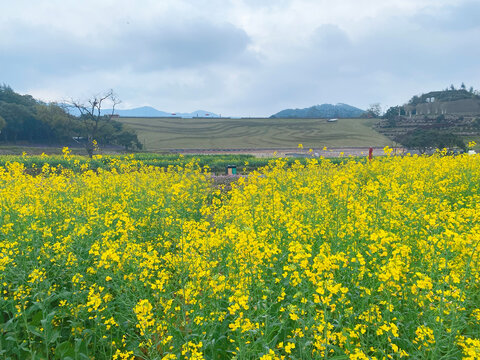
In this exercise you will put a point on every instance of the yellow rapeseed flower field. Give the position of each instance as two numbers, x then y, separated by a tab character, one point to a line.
359	260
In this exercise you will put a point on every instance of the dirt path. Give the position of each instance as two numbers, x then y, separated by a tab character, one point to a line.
333	152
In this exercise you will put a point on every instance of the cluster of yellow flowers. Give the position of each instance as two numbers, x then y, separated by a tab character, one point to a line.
361	260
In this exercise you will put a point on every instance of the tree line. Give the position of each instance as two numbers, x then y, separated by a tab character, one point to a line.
23	118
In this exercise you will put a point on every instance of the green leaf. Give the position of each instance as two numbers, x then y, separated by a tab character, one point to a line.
53	336
34	330
65	350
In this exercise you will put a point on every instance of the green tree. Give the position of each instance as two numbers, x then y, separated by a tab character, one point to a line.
393	114
20	115
128	139
415	100
7	95
3	123
424	139
374	110
24	118
15	116
61	125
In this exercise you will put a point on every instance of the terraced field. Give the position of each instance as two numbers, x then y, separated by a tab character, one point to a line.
254	133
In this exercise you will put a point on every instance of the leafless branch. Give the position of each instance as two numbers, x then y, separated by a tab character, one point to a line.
91	114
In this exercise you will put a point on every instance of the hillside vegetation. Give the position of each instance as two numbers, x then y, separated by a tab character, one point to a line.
322	111
30	121
444	95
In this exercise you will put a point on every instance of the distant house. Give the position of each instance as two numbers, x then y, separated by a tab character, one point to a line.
332	120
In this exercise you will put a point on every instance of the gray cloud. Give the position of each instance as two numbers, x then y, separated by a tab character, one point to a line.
188	44
246	58
47	51
268	4
330	36
459	17
395	60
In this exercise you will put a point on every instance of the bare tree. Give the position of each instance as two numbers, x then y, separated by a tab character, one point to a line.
92	116
375	110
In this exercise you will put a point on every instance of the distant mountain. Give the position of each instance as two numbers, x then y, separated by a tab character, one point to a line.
322	111
148	111
199	113
144	111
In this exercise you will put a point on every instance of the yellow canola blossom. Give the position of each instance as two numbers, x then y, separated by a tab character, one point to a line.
356	260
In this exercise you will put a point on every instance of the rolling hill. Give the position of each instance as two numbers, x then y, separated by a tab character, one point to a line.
321	112
262	133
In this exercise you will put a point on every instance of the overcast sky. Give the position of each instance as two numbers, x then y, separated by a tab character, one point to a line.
239	57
